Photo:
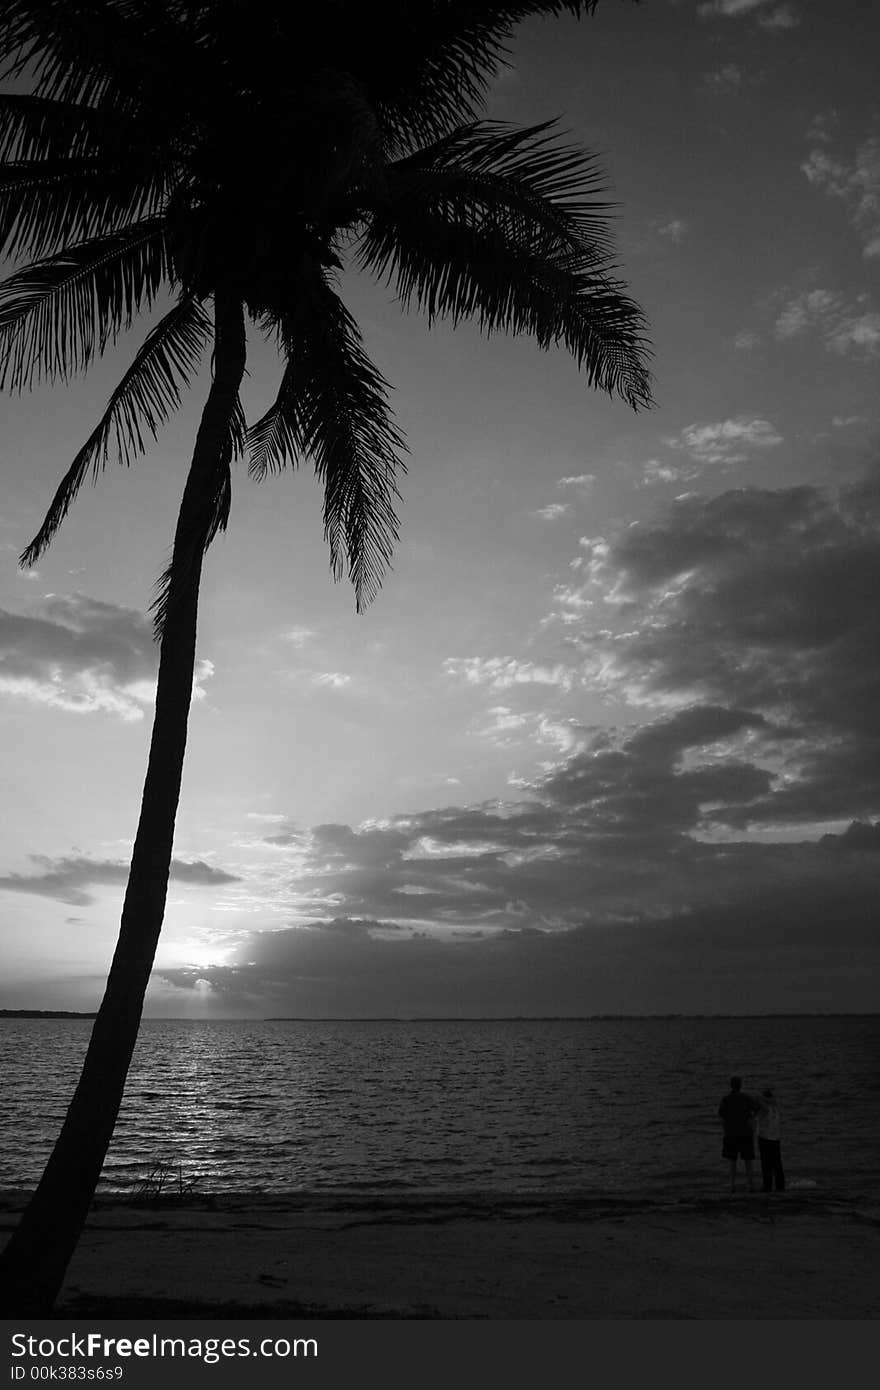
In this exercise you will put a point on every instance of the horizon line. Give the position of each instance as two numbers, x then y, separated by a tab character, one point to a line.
440	1018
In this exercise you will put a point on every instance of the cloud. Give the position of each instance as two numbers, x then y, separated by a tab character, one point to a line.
727	441
565	735
857	335
805	311
297	636
620	885
331	680
846	328
674	229
78	654
503	727
842	422
762	600
553	511
501	672
67	879
779	19
854	182
728	9
656	471
581	482
638	784
198	872
859	837
724	79
769	13
290	836
746	340
776	955
577	484
823	126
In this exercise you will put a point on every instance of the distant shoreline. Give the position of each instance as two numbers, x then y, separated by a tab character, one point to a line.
439	1018
533	1018
43	1013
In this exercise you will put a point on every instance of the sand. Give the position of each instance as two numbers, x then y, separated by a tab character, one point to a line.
793	1255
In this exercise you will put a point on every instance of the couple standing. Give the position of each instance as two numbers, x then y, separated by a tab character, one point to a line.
740	1115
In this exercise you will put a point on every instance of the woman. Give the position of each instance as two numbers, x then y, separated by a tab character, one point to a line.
770	1143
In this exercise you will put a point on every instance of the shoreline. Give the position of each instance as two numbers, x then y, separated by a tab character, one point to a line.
802	1254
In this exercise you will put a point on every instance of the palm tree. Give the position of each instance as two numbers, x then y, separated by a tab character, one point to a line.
224	160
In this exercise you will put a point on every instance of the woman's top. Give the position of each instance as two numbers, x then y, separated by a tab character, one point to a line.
768	1121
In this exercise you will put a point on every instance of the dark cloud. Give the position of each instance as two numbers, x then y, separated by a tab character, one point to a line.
753	594
691	728
73	652
605	837
366	848
196	871
858	837
289	834
79	633
777	956
67	879
762	602
641	784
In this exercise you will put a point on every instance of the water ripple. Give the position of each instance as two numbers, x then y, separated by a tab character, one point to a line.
445	1106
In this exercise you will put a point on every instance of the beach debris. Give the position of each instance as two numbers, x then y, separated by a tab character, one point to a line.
165	1179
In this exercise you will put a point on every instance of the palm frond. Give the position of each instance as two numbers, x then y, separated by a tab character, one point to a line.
144	399
124	55
69	173
274	441
482	275
333	409
45	206
56	313
35	204
436	74
36	128
510	239
430	76
238	432
543	192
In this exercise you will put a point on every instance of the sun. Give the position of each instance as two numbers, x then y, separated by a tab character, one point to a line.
194	949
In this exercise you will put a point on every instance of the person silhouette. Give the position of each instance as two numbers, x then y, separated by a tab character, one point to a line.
770	1142
737	1111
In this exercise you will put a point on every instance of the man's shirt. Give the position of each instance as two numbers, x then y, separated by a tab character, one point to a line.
736	1110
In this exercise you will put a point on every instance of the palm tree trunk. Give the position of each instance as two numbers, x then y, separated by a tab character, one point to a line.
34	1263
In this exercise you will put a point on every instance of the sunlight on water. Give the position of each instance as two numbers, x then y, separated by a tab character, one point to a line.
506	1106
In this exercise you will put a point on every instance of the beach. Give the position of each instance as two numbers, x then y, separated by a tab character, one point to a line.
797	1255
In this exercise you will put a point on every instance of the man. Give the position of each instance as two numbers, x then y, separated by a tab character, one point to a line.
736	1111
769	1143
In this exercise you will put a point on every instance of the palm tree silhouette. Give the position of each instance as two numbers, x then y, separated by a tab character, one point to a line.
235	155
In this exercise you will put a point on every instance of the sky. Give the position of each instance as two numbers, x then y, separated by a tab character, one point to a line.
607	740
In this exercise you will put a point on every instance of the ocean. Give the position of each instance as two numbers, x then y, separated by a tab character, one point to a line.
557	1105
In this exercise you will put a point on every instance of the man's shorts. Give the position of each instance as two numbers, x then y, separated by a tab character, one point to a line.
738	1146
